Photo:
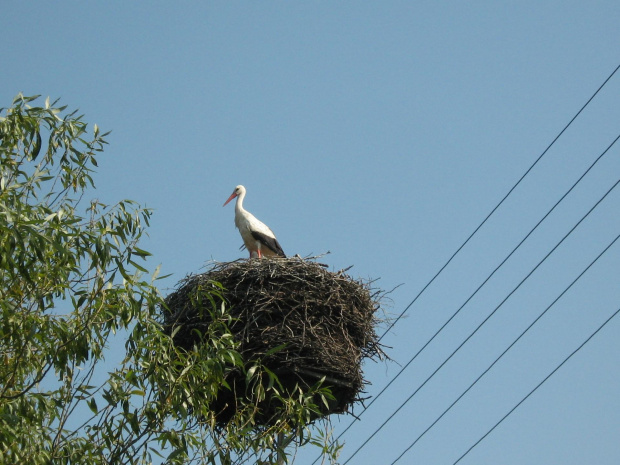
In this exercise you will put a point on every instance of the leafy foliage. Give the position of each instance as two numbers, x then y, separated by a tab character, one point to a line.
73	282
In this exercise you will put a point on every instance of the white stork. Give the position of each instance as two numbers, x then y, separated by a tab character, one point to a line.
257	237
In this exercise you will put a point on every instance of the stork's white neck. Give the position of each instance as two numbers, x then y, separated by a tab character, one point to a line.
239	203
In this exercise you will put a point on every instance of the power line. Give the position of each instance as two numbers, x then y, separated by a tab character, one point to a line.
483	283
481	324
507	349
496	206
537	386
471	235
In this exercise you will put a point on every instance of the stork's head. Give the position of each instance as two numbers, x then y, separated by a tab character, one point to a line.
239	190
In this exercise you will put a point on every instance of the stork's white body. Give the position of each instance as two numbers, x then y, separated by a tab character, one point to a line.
246	224
257	237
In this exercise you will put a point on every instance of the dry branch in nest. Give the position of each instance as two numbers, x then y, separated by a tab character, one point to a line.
324	320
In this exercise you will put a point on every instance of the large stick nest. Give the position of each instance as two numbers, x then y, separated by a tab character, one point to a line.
324	320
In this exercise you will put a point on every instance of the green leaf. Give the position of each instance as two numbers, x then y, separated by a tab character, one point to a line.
141	253
92	404
175	455
36	148
250	373
274	350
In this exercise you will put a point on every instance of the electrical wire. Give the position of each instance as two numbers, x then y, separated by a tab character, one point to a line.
496	207
538	385
507	349
481	324
481	285
470	237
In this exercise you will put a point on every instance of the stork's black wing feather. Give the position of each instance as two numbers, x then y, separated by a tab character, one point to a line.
270	242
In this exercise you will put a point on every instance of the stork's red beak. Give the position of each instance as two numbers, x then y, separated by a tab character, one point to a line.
230	198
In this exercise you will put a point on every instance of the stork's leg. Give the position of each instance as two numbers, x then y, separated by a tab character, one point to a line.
259	254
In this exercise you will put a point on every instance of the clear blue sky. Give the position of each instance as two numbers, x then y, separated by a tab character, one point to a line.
383	132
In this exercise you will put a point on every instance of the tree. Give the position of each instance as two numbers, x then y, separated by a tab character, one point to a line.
72	282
